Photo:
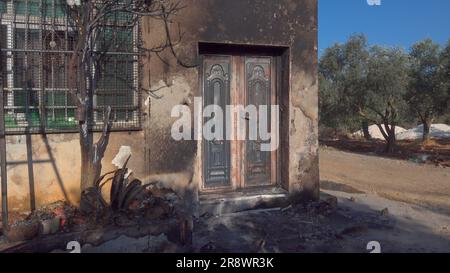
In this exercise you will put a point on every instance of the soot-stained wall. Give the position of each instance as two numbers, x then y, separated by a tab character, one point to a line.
291	24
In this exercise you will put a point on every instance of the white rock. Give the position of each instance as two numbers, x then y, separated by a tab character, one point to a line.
375	132
436	131
121	157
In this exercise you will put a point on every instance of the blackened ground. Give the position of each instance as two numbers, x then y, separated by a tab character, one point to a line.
403	205
358	220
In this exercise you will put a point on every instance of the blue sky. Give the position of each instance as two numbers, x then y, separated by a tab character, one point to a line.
393	23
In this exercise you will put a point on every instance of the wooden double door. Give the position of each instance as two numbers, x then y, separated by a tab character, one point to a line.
236	163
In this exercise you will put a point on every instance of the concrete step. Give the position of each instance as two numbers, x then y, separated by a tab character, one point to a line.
218	204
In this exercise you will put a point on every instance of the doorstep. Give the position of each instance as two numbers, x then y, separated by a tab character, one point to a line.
242	200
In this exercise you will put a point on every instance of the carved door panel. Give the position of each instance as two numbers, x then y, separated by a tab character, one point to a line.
244	81
258	85
216	91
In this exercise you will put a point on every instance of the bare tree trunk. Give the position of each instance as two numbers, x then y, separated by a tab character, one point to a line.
85	119
87	168
91	159
91	153
81	79
391	143
426	130
365	129
389	135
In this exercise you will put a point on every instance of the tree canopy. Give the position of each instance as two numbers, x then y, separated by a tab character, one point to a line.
386	86
427	94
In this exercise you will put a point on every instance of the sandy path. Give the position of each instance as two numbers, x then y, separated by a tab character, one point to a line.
393	179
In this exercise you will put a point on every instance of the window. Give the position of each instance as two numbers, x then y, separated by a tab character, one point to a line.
36	42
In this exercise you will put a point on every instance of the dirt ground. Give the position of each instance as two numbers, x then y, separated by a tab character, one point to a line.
399	180
403	206
433	152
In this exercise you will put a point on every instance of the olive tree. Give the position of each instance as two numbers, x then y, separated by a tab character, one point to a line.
382	101
342	76
444	76
427	94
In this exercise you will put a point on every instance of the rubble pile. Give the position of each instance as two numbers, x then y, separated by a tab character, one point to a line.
50	219
156	204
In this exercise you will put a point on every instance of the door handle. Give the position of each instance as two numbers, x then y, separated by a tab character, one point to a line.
217	142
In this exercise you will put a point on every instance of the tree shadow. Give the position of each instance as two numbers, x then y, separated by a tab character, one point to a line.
30	162
55	167
334	186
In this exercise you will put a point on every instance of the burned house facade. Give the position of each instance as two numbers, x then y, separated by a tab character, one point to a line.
249	52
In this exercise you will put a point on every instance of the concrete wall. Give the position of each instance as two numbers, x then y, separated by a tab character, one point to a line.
156	156
291	23
56	166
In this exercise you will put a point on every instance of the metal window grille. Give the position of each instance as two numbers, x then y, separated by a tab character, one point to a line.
36	41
